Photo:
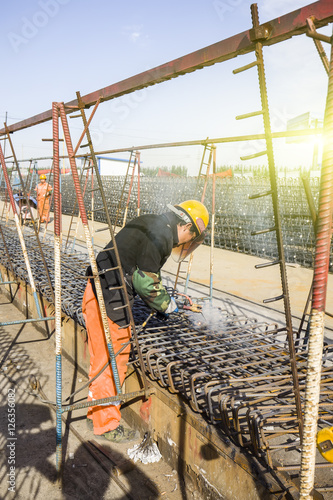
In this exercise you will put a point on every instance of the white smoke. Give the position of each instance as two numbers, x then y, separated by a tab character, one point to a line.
212	318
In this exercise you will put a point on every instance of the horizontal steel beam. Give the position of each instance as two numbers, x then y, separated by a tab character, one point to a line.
277	30
221	140
196	142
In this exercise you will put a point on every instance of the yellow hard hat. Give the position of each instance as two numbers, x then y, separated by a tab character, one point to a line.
192	211
43	176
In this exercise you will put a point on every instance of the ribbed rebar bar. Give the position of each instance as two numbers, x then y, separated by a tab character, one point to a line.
91	253
20	234
317	318
212	239
234	370
24	191
57	274
115	249
277	217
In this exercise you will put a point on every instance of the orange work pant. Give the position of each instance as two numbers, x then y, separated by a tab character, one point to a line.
43	210
105	417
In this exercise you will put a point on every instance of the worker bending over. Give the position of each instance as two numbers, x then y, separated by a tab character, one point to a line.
44	191
144	245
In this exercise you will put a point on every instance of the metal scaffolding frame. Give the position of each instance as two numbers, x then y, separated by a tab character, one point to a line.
274	31
302	21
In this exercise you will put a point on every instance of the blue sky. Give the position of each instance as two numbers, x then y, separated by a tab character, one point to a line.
52	48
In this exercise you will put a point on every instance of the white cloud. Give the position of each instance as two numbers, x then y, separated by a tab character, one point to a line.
133	32
134	36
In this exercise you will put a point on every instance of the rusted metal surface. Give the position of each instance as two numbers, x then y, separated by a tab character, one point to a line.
56	180
324	221
317	318
317	41
242	376
237	375
234	373
279	29
277	216
112	236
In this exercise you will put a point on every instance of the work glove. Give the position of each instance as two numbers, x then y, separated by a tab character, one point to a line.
172	307
185	302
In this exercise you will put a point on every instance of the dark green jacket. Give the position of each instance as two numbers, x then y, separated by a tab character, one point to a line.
144	245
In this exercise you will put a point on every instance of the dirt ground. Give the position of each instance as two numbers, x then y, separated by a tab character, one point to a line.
28	435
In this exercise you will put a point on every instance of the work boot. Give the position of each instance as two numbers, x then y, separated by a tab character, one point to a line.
121	435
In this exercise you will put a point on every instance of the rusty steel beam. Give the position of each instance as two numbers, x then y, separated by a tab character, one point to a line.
197	142
277	30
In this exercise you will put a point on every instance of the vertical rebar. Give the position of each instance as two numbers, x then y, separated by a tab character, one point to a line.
115	248
92	205
200	169
139	173
129	191
207	173
20	234
25	194
123	189
92	259
317	318
189	267
79	214
277	217
57	279
212	234
74	207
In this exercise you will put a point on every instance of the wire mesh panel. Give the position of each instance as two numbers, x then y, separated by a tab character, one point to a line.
236	216
235	372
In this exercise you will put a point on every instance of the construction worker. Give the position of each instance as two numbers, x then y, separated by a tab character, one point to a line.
144	245
44	191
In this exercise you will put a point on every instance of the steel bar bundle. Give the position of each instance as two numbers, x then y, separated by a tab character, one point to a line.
234	371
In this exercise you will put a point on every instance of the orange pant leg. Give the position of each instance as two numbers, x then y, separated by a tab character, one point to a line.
40	204
45	210
105	417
